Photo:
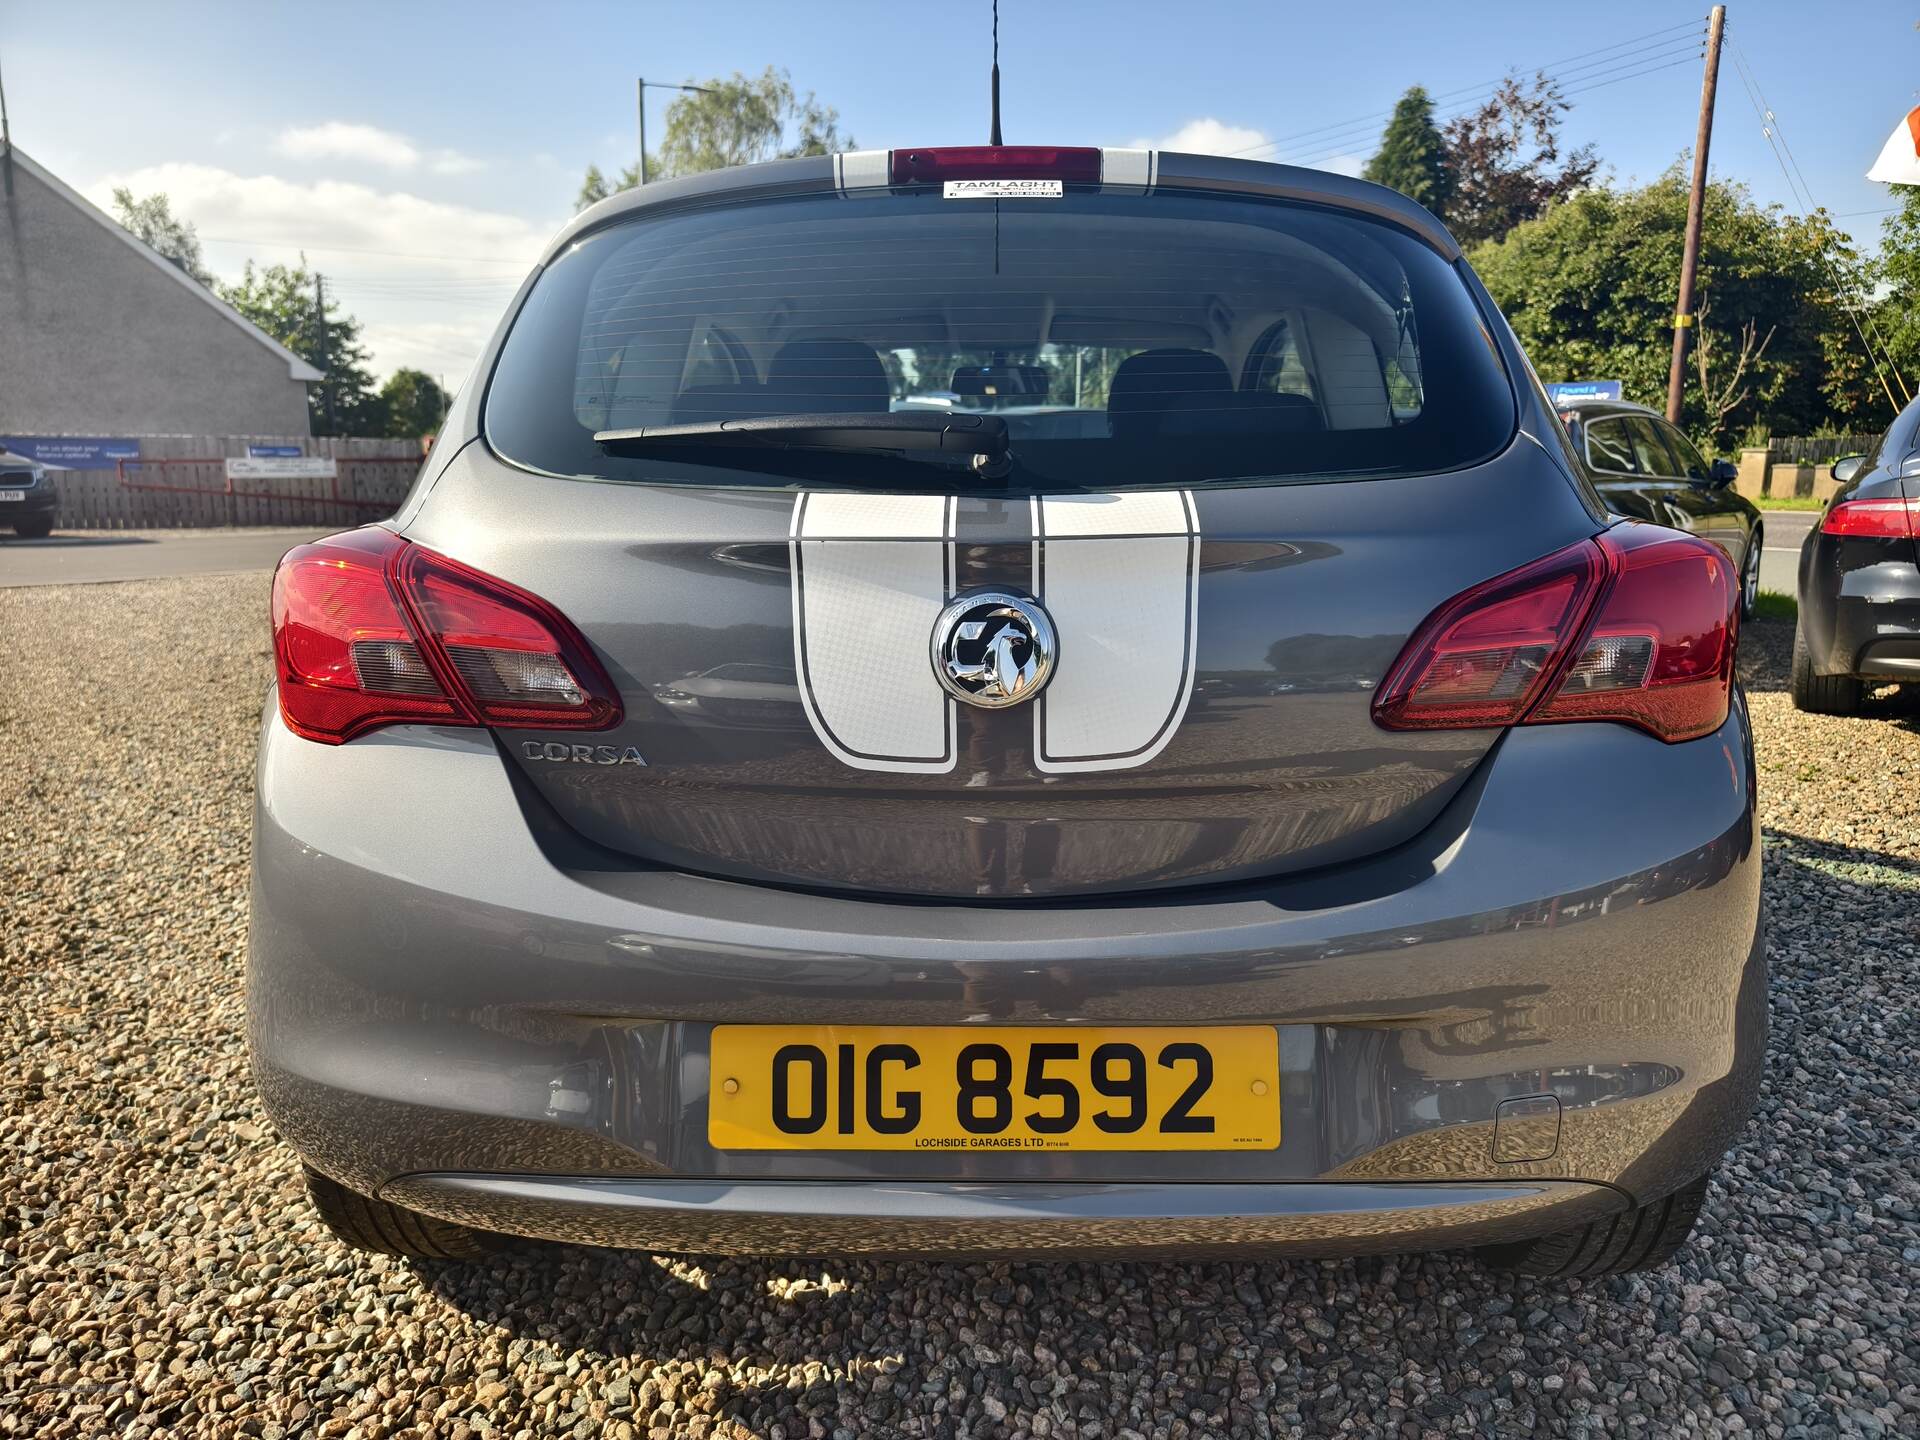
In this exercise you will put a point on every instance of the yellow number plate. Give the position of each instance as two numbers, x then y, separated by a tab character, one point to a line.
852	1087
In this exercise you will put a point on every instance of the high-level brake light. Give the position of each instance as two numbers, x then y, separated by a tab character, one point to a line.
1637	625
369	630
1073	164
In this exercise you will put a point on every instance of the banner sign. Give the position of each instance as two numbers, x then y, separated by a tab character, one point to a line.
273	452
1561	391
71	452
282	467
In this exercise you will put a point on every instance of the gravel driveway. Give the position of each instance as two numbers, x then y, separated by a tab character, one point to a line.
160	1271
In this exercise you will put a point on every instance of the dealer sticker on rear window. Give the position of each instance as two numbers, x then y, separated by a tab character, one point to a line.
1002	190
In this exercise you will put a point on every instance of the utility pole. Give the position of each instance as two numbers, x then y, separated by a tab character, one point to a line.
320	345
1696	207
640	88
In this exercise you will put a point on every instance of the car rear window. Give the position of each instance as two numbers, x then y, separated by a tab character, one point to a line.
1125	339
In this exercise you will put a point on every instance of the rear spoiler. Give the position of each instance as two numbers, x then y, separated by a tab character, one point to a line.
864	172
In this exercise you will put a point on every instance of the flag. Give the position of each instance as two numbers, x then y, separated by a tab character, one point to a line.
1899	162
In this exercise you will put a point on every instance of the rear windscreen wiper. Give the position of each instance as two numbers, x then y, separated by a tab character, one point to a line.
982	439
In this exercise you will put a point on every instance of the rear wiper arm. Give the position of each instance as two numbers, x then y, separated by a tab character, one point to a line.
981	438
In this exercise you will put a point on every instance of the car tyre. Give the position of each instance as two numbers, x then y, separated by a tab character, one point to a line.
33	527
1820	694
1644	1237
1750	574
383	1229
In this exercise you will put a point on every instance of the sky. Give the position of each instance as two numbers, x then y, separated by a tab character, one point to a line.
420	153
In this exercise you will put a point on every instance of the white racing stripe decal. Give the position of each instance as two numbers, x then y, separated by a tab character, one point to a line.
870	575
1120	576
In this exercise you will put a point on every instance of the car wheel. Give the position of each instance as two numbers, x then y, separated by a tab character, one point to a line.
1819	694
383	1229
33	527
1750	574
1642	1238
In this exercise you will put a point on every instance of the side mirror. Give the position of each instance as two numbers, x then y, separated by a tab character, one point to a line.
1723	473
1846	467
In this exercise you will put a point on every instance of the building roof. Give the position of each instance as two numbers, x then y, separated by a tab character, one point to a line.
297	369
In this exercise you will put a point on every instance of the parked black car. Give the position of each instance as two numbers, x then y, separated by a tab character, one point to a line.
28	499
1646	469
1859	624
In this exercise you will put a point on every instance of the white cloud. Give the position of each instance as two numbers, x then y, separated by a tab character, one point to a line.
338	140
370	145
452	162
1208	136
427	279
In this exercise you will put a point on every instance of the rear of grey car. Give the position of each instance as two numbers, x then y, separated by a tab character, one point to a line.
1008	702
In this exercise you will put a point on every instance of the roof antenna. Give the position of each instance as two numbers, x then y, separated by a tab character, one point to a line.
994	137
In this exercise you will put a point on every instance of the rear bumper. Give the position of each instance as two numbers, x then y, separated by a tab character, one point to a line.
811	1217
1876	637
1861	618
454	1004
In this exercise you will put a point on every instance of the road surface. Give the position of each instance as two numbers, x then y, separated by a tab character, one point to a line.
1780	557
85	557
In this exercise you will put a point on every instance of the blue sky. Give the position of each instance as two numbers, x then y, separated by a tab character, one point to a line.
450	138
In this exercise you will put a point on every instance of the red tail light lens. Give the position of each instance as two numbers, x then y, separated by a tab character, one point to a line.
369	630
1875	519
1659	653
514	658
1073	164
1636	626
1485	657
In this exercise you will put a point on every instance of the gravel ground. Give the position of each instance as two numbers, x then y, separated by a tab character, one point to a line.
160	1271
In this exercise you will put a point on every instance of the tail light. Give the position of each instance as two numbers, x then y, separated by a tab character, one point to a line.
369	630
1637	625
1874	519
1073	164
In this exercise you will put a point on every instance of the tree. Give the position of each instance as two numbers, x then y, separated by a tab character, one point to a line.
593	189
151	220
1896	318
737	121
1412	156
281	300
1722	381
1589	288
1505	162
413	402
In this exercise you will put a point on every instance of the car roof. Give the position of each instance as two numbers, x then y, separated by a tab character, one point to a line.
1162	169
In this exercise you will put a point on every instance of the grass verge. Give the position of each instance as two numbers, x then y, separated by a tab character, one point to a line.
1772	605
1788	502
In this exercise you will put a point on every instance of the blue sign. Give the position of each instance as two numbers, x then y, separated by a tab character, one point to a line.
1562	391
71	452
273	452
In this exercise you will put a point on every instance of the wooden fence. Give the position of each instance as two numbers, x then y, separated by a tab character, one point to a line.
1805	450
180	481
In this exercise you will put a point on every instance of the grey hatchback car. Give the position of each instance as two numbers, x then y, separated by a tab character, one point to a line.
1008	701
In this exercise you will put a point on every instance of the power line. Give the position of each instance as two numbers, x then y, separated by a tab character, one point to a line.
1369	123
1582	60
1803	198
1565	95
1634	70
353	250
